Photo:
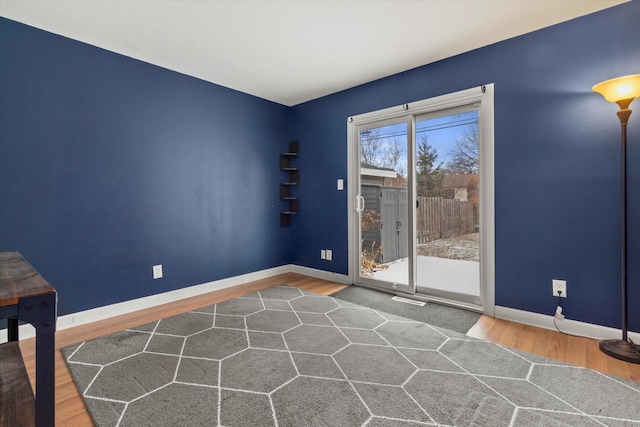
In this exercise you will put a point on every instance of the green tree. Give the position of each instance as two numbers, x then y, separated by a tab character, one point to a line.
429	172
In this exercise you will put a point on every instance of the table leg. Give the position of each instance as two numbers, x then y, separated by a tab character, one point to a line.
40	311
45	380
12	329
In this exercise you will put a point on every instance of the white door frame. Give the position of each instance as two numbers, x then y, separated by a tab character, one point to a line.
483	96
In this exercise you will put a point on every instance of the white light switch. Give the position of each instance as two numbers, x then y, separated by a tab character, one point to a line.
323	254
157	271
341	184
329	254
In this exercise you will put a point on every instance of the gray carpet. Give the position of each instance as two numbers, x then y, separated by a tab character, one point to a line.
286	357
454	319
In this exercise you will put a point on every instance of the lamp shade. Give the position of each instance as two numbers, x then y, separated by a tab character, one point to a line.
614	90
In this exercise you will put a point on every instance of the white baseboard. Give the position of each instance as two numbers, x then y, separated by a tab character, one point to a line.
320	274
567	325
105	312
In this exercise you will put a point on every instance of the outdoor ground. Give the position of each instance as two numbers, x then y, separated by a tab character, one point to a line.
464	247
448	264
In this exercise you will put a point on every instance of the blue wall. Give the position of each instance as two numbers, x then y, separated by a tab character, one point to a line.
109	165
557	162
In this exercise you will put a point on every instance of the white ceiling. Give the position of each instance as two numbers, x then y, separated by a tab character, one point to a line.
293	51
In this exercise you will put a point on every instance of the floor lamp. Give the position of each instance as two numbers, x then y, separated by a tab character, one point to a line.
622	91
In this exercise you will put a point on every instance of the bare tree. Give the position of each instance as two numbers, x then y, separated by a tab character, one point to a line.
393	155
464	154
370	143
381	151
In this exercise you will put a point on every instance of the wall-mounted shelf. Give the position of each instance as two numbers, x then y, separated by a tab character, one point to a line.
292	180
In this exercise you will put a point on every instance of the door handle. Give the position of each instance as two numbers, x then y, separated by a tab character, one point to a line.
360	203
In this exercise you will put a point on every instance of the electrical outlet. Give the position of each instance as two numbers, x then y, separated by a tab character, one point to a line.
323	254
559	288
157	271
329	255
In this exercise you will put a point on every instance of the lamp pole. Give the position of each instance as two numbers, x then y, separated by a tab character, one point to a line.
623	115
622	91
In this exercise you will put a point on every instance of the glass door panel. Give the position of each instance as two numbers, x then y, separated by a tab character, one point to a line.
447	210
383	205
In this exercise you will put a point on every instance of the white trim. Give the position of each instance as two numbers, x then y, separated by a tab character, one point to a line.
378	172
108	311
321	274
449	100
567	325
353	182
487	202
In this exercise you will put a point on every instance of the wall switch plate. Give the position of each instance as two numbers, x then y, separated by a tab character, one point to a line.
341	184
157	271
559	286
323	254
329	255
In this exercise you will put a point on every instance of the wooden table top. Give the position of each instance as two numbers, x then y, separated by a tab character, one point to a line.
18	279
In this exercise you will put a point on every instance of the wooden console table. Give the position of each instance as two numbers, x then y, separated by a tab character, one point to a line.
26	296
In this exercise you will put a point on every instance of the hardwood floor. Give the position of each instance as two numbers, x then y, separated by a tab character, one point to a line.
555	345
70	409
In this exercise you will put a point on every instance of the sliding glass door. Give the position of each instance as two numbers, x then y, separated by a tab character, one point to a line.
447	172
383	204
422	203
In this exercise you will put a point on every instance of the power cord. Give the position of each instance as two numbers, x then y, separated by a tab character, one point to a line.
559	314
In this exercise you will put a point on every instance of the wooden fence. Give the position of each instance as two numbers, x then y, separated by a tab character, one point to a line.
439	218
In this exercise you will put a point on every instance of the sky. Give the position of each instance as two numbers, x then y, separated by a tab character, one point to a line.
442	133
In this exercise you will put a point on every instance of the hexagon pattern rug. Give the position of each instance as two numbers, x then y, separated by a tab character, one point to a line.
291	358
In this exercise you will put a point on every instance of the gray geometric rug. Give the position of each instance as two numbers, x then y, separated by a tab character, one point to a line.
452	318
287	357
